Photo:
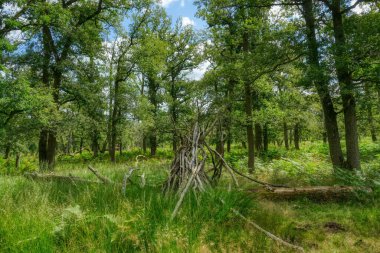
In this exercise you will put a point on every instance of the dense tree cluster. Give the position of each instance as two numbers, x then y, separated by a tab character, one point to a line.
105	75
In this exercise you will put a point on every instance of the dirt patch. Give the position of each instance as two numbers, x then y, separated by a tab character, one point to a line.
334	227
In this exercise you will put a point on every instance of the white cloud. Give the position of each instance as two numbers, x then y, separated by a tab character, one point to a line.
187	21
15	36
198	73
361	8
166	3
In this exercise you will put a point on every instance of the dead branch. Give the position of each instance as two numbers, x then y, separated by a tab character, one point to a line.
127	178
267	233
189	159
104	179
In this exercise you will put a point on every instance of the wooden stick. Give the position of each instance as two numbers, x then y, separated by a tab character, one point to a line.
267	233
127	178
104	179
179	203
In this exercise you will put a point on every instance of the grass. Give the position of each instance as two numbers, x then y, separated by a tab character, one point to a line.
56	217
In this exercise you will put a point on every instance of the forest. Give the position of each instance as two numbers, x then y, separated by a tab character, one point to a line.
128	126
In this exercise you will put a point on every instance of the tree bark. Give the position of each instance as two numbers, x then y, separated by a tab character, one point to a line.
153	87
248	112
220	149
80	145
42	149
104	147
371	124
321	85
144	143
230	97
114	121
18	160
258	137
265	137
51	149
378	98
346	88
153	144
297	136
173	110
286	137
7	150
95	144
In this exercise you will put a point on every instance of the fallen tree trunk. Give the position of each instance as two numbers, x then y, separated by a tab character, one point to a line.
312	192
58	178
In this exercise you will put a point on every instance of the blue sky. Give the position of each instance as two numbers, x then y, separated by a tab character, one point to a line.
184	9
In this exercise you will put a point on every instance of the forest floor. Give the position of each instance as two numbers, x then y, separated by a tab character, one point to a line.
65	217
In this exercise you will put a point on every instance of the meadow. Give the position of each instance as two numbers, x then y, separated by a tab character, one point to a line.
73	217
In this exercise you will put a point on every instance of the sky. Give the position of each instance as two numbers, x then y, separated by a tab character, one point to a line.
185	10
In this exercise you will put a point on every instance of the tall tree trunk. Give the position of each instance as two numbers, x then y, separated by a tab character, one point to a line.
173	110
219	148
248	111
43	139
121	148
95	144
153	144
69	141
378	98
321	84
297	136
81	145
347	88
42	149
104	146
114	121
7	150
153	87
371	124
258	137
265	137
286	137
51	149
144	143
18	160
230	97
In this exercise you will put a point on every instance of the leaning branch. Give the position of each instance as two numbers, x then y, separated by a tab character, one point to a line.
104	179
267	233
241	174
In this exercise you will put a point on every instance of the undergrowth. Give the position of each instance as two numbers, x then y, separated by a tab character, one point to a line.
58	217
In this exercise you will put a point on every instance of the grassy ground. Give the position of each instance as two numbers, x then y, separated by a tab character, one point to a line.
56	217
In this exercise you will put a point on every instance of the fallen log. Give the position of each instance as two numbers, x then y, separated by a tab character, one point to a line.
58	178
312	192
